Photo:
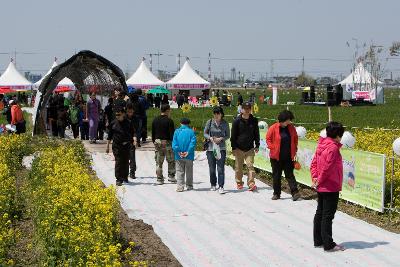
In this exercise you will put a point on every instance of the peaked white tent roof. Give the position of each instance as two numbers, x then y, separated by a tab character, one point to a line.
63	82
359	76
187	78
143	78
13	79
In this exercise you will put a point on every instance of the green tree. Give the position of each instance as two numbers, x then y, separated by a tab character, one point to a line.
305	80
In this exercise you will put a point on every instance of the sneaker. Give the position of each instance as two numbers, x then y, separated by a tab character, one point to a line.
180	189
221	190
91	142
253	188
160	182
213	188
189	187
336	248
239	186
275	197
296	196
132	176
172	180
126	181
118	183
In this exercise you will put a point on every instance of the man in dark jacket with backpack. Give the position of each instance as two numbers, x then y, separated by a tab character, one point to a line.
245	142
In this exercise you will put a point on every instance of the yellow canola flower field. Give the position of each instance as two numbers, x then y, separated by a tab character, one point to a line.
75	216
11	149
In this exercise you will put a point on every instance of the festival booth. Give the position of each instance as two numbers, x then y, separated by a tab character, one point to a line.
360	84
65	85
189	82
143	78
12	80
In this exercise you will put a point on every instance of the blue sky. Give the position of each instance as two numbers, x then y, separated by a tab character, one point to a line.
124	31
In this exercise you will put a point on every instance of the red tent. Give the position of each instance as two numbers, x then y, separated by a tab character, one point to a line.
6	90
63	89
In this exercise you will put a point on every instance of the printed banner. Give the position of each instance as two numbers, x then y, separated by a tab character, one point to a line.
363	172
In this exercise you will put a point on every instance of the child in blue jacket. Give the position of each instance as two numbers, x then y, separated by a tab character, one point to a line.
183	145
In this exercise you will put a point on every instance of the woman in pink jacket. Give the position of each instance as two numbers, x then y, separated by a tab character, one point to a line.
327	176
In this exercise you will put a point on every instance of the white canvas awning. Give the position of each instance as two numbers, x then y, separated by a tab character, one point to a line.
12	79
63	83
143	78
187	78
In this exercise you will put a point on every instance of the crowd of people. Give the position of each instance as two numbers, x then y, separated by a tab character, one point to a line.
177	147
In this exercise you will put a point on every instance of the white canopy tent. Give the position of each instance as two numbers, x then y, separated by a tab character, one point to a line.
14	80
143	78
361	84
188	79
62	84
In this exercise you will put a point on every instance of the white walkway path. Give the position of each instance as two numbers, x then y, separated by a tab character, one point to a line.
203	228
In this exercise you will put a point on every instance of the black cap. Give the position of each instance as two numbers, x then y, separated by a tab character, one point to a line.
246	104
185	121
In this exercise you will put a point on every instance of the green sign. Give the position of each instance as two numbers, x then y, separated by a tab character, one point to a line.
363	172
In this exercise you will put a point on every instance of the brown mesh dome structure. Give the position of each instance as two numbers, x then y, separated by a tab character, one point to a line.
88	71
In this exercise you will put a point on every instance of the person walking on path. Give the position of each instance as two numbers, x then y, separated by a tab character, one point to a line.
240	99
17	117
327	176
282	141
92	114
162	132
130	112
217	132
184	144
245	142
73	113
121	134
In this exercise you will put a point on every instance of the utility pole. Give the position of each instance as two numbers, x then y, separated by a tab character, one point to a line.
179	62
272	69
302	68
209	66
151	60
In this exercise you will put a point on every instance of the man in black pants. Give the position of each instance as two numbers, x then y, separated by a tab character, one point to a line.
121	134
130	112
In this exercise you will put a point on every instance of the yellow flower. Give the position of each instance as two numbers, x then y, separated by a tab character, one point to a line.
186	108
214	101
255	108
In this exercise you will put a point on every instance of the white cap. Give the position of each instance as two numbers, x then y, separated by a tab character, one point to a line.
11	101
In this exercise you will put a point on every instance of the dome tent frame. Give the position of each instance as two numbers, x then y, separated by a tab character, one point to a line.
88	71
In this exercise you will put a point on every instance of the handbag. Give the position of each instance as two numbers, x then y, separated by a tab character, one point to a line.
297	165
206	142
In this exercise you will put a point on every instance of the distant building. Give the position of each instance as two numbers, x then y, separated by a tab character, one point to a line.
32	77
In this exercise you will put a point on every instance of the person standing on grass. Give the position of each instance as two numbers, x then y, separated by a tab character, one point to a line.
17	117
282	141
184	144
93	107
121	135
245	142
162	132
327	176
217	132
130	112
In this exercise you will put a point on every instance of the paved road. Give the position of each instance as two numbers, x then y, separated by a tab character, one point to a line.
203	228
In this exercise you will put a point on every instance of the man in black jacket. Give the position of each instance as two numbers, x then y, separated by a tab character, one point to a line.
162	132
121	134
245	142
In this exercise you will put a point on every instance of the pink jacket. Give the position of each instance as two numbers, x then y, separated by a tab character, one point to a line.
327	166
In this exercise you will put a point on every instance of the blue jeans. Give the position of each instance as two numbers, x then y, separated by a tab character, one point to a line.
220	164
